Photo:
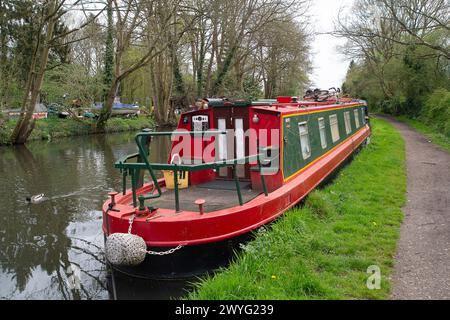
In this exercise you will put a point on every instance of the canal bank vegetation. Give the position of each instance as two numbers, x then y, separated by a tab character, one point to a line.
401	60
432	134
52	128
323	249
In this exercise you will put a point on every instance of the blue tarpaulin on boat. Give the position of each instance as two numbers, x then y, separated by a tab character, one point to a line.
118	105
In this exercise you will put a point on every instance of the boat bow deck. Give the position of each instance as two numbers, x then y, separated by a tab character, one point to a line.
217	194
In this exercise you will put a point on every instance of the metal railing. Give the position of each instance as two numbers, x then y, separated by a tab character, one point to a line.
136	169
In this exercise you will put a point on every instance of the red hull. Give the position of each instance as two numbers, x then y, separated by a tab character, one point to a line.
167	228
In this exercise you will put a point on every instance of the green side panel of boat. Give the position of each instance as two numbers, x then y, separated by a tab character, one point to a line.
293	160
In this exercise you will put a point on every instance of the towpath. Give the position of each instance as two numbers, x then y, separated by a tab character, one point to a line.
422	268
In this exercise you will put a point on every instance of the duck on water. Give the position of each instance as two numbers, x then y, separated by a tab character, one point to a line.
36	199
240	165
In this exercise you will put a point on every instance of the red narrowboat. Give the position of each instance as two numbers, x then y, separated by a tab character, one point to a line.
234	166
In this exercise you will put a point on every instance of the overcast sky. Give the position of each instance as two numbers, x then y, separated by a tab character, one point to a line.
329	66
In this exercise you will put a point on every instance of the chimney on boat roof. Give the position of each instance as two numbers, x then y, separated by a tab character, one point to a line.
285	99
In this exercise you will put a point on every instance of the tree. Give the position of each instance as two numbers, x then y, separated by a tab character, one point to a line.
133	21
47	21
282	58
403	22
45	38
89	52
3	52
16	25
109	51
418	20
400	52
162	53
240	20
72	79
223	43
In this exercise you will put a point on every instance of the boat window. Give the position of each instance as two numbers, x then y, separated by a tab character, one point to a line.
355	112
334	128
362	116
323	136
348	124
304	140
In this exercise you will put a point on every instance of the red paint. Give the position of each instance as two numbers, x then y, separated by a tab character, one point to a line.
168	228
284	99
195	178
266	123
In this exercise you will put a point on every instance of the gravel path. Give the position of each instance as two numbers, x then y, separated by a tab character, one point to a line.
422	268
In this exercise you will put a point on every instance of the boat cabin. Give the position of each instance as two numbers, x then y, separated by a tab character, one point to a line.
227	153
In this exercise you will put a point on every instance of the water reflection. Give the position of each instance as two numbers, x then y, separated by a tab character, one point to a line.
122	287
54	250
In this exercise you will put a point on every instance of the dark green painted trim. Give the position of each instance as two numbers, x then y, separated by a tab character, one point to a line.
292	155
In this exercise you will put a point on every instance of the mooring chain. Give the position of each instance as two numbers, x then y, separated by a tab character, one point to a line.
165	253
153	253
131	223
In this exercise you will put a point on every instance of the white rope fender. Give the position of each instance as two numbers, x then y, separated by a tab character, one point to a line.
124	249
127	249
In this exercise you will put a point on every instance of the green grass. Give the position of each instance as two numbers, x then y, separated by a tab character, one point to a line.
322	250
428	131
49	129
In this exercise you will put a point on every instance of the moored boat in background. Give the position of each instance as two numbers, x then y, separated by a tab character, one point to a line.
120	109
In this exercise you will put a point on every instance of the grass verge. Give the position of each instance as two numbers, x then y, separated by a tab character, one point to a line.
49	129
323	249
429	132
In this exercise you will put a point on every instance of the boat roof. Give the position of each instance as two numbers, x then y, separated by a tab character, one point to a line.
303	106
287	105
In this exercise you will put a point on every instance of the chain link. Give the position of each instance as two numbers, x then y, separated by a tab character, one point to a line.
131	223
154	253
165	253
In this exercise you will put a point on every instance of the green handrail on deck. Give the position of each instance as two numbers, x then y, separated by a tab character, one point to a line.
133	169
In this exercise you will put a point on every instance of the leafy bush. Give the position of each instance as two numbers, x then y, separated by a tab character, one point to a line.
394	106
436	111
6	128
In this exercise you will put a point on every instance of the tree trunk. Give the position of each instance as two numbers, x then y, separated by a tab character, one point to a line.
106	112
223	71
108	79
200	68
25	125
3	59
162	81
109	53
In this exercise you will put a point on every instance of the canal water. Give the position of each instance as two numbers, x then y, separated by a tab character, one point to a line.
54	250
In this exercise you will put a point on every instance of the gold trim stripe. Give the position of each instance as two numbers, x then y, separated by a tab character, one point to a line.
322	156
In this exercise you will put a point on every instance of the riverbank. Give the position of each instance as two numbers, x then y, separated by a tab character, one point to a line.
49	129
431	133
322	250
